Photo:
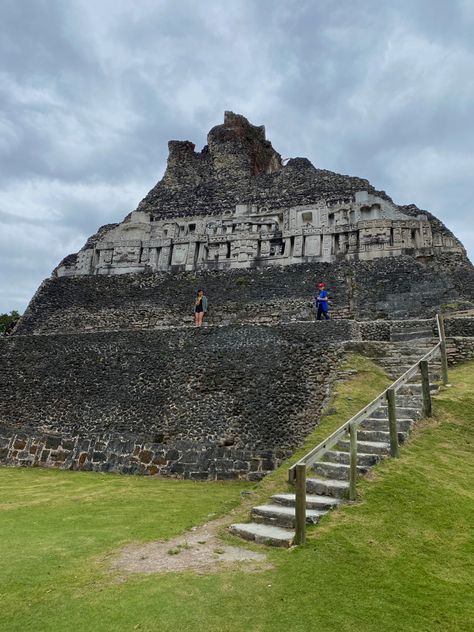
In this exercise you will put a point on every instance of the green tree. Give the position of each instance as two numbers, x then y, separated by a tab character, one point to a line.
6	319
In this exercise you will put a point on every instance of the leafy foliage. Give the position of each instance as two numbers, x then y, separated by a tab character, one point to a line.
7	319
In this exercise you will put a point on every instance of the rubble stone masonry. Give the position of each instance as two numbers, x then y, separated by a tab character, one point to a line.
221	402
104	372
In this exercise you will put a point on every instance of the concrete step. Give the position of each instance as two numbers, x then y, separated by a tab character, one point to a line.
415	352
343	457
395	371
399	369
434	381
412	334
378	435
402	412
371	423
401	362
414	388
313	501
404	346
379	448
327	487
399	350
402	367
263	533
408	401
412	356
283	516
338	471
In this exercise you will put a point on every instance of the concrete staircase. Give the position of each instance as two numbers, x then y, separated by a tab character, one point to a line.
328	484
413	330
399	358
407	345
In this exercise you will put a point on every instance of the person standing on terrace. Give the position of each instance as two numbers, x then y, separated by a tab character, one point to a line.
200	308
321	302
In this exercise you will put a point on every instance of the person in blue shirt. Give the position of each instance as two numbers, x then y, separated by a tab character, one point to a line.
321	302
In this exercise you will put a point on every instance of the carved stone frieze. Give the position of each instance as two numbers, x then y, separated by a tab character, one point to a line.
250	236
236	205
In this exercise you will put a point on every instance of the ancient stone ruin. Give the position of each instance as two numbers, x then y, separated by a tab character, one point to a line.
105	372
235	205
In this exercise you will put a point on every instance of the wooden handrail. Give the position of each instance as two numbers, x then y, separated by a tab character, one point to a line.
442	342
317	452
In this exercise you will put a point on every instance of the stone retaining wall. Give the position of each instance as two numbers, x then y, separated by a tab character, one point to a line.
460	326
223	402
459	349
395	288
384	330
196	460
218	402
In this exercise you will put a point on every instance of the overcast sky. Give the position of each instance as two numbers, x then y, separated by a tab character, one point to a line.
92	90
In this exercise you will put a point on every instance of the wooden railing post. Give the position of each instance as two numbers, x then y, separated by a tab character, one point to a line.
425	388
392	423
300	510
353	462
291	475
444	356
297	472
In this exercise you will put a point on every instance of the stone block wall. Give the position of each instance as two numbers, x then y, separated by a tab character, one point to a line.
96	303
386	330
224	402
382	289
459	349
460	326
375	330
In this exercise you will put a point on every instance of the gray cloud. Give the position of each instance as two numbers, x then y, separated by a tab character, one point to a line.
90	93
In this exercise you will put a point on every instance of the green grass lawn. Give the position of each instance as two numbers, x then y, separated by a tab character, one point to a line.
401	559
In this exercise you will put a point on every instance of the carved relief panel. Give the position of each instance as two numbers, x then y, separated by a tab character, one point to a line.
312	246
84	262
105	257
126	255
145	256
426	235
353	242
397	237
265	248
180	252
247	249
298	246
327	246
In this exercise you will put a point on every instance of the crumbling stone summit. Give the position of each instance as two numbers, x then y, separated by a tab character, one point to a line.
236	205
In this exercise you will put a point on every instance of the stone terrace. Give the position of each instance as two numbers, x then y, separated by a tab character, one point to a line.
384	288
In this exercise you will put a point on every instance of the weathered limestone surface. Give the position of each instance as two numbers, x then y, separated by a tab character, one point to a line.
224	402
236	205
102	372
384	288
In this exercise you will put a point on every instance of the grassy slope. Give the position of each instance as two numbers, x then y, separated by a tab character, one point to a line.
54	525
401	559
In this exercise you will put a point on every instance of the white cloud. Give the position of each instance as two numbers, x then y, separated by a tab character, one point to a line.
90	93
10	136
41	221
50	200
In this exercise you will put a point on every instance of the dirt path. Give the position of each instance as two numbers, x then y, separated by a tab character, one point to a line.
199	550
